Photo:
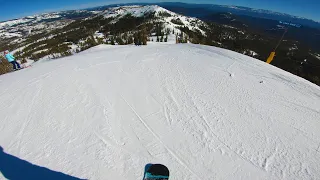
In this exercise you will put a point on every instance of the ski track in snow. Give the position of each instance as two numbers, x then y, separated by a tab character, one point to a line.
205	112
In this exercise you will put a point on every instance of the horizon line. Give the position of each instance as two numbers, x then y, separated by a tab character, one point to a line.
87	6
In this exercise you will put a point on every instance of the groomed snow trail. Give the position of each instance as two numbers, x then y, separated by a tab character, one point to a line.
204	112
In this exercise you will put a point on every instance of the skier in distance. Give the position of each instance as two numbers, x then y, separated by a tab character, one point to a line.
11	59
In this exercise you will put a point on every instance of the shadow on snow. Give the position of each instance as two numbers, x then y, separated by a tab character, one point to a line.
14	168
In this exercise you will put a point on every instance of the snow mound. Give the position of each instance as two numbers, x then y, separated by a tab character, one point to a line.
204	112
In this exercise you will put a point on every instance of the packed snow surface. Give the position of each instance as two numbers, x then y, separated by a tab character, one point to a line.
204	112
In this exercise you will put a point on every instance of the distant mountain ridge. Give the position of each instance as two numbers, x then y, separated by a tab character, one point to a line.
260	13
238	10
39	23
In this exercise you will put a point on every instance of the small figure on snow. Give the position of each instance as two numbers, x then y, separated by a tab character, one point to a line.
11	59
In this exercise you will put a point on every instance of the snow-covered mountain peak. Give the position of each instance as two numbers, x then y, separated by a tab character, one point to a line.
134	10
170	19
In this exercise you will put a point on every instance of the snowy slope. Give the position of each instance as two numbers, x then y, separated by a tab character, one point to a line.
205	112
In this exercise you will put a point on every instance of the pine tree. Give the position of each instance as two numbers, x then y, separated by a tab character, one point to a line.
112	41
144	41
125	36
181	35
135	38
130	40
23	61
195	40
92	41
5	66
100	40
168	31
158	29
119	41
144	35
166	39
185	39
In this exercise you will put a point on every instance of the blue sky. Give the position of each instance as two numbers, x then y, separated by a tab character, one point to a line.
18	8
